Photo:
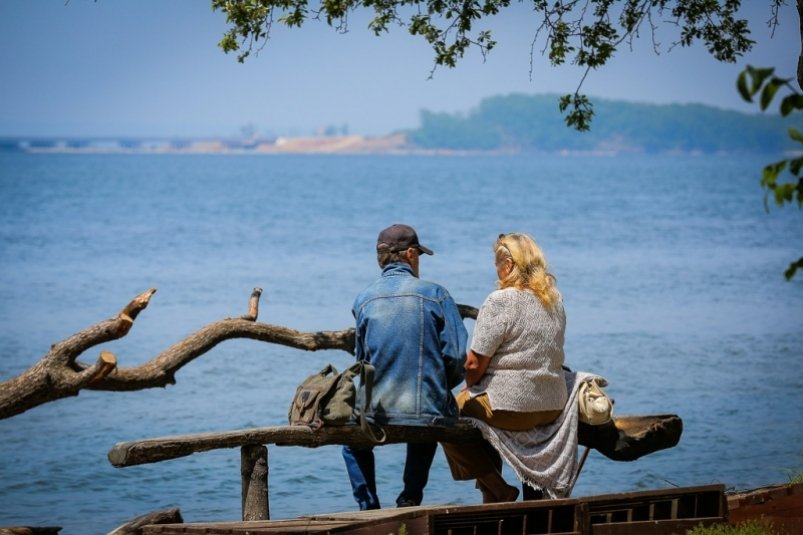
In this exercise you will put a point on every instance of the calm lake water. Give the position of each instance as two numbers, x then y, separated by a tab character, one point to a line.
670	267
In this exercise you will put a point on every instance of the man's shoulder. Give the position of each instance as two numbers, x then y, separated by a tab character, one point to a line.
434	288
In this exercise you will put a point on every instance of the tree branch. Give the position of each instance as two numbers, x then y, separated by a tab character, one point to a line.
59	374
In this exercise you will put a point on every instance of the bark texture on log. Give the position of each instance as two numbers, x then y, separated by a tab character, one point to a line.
625	439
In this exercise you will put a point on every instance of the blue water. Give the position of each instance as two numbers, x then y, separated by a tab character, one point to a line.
671	271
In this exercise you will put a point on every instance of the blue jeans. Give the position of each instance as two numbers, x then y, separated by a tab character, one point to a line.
360	467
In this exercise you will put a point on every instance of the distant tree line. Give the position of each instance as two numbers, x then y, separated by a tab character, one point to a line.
532	123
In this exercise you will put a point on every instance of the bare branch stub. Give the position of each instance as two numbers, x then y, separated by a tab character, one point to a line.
106	364
253	305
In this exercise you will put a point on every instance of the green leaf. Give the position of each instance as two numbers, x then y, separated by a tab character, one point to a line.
770	174
759	75
784	193
580	116
791	103
793	267
795	166
769	92
795	134
741	85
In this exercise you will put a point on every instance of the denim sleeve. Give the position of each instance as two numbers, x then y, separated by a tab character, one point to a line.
454	337
359	334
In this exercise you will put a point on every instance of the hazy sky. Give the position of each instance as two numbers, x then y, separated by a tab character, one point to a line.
153	68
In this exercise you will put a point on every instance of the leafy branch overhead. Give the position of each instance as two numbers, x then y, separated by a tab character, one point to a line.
586	33
763	83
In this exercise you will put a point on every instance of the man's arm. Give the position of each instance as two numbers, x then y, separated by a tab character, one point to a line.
454	338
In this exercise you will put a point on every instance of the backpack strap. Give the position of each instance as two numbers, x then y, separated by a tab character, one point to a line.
367	382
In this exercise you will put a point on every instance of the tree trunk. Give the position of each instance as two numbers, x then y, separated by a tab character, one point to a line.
59	374
800	57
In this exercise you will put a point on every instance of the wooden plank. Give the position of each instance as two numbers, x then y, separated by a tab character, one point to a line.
625	439
781	506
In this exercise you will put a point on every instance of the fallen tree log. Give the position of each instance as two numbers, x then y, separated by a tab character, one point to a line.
626	438
59	374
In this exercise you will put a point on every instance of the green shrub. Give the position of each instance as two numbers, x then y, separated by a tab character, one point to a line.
796	476
750	527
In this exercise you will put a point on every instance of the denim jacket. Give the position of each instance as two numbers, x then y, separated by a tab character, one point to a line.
412	332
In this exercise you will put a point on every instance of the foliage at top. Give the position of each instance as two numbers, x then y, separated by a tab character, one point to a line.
586	33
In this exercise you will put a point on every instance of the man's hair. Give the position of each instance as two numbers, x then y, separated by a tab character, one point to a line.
391	258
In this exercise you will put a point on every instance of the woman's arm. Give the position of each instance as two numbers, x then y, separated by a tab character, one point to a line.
475	367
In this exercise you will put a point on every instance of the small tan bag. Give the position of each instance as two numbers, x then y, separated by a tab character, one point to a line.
595	407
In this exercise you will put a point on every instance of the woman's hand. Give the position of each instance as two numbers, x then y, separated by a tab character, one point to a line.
475	367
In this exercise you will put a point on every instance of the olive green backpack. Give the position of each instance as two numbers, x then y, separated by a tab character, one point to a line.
330	398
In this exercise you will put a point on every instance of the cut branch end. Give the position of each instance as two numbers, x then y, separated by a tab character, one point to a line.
105	364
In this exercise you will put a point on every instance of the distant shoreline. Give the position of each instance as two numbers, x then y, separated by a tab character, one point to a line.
393	144
280	145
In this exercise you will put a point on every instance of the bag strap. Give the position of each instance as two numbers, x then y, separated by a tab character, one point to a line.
367	382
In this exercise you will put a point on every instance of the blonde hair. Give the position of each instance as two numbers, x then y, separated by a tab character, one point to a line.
530	270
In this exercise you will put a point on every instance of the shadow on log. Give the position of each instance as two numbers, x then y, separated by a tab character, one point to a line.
626	438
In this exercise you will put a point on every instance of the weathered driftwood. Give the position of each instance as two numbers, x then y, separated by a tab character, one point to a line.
625	439
134	526
60	374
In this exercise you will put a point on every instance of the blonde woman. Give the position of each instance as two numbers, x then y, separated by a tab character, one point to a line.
514	369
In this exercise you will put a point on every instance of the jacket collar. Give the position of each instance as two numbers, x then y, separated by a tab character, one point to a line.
397	268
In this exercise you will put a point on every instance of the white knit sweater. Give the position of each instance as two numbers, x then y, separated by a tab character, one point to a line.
525	343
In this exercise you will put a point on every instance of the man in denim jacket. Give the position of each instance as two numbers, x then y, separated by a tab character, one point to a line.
412	332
